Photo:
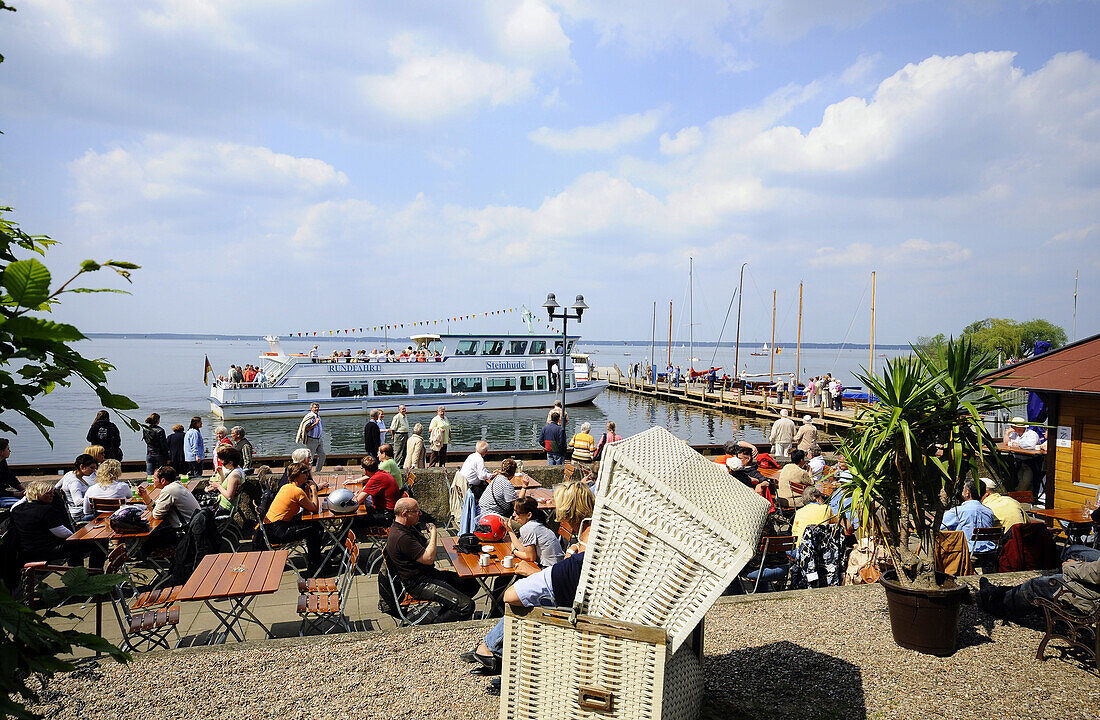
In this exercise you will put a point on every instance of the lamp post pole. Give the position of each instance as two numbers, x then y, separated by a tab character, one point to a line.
551	305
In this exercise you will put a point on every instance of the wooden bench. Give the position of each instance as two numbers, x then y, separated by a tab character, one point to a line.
1070	625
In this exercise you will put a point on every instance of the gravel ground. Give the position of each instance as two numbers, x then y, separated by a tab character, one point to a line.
809	655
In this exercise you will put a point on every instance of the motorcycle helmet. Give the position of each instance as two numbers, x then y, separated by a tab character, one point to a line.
342	501
491	528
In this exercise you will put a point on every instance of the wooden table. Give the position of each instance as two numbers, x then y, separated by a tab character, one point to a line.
545	497
336	526
236	578
467	565
154	492
525	480
1076	521
99	531
1002	447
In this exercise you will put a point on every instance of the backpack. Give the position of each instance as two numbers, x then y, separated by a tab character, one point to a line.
128	519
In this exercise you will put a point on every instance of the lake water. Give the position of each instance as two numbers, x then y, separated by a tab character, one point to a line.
165	376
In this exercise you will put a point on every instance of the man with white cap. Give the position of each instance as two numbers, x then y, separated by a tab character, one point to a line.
1007	511
782	434
1025	465
806	437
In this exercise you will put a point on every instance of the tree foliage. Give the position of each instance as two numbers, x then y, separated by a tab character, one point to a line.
36	357
1012	339
35	352
910	453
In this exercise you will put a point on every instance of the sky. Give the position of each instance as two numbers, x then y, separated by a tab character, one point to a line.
285	167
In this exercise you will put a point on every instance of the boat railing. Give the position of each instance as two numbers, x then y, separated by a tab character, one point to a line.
368	359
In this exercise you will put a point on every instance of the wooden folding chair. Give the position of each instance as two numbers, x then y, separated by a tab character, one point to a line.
102	505
322	601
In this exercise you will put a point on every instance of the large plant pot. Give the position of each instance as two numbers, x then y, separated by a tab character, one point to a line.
924	620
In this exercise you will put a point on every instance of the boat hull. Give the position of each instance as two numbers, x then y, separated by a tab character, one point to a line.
238	406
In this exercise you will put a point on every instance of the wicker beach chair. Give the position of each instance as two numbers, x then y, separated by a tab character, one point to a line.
671	530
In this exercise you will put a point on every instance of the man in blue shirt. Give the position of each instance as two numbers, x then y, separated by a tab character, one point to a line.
552	440
969	514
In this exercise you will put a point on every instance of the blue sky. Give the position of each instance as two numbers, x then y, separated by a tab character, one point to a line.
299	166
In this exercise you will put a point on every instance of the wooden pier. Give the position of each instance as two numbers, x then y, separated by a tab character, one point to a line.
725	400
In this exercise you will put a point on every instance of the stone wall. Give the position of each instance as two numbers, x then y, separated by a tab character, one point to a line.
432	486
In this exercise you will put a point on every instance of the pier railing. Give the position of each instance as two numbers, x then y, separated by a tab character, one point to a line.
721	398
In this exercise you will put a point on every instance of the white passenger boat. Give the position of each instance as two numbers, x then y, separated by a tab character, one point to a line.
462	372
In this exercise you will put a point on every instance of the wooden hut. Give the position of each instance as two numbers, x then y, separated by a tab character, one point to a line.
1068	382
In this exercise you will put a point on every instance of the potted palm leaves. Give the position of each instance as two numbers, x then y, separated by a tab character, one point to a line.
909	455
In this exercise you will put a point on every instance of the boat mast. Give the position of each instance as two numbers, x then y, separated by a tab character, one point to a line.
691	317
653	344
670	332
872	366
1074	336
797	351
737	339
771	353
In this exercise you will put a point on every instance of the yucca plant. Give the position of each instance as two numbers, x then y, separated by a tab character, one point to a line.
910	452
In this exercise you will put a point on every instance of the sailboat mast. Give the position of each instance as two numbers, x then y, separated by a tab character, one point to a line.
670	332
737	340
691	315
653	344
771	353
1075	274
797	351
872	365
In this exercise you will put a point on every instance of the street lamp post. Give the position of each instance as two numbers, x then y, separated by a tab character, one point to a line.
551	305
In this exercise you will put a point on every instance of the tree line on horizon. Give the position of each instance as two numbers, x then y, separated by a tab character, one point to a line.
1002	339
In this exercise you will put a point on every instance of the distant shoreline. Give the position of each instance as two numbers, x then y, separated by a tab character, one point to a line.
371	338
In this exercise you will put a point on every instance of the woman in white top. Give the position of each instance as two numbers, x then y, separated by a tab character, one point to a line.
75	484
531	540
109	485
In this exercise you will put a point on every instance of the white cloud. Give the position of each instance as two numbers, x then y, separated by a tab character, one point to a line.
427	84
532	35
1074	235
912	253
684	142
607	136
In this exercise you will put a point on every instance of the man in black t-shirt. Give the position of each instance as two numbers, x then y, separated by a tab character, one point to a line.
411	556
40	526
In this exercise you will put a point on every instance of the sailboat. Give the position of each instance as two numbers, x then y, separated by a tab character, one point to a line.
763	351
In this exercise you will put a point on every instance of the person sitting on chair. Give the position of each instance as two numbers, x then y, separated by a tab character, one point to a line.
174	507
794	472
970	514
531	540
500	493
297	496
381	487
1005	508
815	512
411	557
109	485
1080	574
41	525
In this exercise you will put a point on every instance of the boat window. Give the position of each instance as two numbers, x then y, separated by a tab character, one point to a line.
436	346
557	347
569	380
466	385
348	389
429	386
500	384
517	347
538	347
493	347
540	382
466	347
527	382
571	344
393	386
313	386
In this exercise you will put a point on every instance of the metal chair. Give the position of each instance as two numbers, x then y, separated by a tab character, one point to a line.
323	601
760	572
986	559
406	609
1069	624
294	548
